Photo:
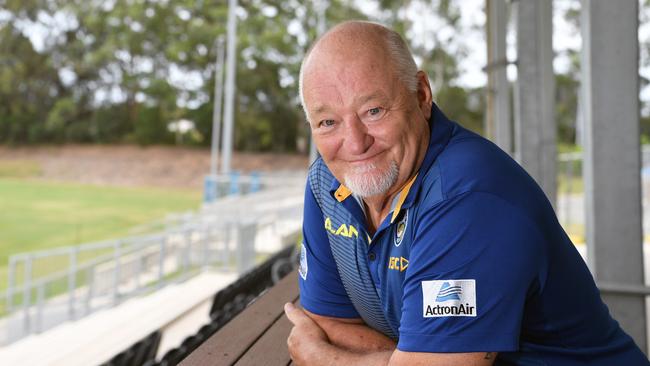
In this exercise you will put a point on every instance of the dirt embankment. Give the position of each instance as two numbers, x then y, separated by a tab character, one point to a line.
157	166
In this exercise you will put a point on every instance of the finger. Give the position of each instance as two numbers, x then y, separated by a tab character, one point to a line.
294	314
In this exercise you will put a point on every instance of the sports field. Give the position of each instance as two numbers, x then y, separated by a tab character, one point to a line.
36	214
52	196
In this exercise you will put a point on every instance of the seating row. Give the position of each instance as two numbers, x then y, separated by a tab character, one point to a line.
226	304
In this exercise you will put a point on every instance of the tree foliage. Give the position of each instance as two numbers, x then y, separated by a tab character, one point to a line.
121	70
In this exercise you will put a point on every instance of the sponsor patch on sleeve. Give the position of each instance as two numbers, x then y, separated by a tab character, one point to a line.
303	262
443	298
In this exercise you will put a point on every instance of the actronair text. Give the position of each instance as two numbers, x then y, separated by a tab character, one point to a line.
442	310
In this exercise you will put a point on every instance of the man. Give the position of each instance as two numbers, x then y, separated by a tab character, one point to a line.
424	244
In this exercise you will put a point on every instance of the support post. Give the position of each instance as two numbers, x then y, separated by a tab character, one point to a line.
535	127
72	281
612	155
499	127
27	292
246	232
11	284
90	276
116	272
40	300
218	101
321	10
161	261
229	102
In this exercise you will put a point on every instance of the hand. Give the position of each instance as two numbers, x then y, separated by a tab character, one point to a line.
305	338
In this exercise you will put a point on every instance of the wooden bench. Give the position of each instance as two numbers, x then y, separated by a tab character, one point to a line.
257	336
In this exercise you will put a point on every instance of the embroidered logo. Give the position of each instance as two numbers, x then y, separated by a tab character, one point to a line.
343	230
398	263
400	229
443	298
302	270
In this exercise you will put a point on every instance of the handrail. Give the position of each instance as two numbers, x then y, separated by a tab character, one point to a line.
119	268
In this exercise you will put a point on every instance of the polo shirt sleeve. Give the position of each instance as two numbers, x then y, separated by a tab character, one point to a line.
475	259
321	289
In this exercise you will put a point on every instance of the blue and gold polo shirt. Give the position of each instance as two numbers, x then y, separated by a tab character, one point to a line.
471	259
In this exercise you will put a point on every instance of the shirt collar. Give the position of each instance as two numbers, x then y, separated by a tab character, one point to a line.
342	192
398	201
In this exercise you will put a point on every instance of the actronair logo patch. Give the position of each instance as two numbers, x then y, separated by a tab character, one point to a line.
442	298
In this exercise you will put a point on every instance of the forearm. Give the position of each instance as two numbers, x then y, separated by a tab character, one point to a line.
350	342
358	338
325	354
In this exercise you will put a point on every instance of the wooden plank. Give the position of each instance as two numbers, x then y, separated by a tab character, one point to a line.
230	343
271	348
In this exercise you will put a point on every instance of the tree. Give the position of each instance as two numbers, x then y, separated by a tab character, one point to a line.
28	87
122	70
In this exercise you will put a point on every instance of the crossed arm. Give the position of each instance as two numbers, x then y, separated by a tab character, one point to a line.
317	340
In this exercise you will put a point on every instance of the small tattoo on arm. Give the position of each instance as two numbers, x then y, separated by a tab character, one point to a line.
488	356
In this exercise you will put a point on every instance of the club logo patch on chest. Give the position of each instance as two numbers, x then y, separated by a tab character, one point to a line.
401	229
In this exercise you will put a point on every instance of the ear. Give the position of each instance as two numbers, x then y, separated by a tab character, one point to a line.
425	97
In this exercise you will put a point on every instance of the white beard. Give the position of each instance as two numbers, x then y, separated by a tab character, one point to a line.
363	184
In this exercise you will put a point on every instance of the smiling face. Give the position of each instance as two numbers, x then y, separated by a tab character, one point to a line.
371	131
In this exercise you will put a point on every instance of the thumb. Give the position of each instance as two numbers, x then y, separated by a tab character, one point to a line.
294	314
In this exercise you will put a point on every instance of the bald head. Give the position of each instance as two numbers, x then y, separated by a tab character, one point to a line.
358	39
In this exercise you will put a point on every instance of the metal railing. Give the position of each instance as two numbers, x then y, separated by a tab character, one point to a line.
48	287
235	183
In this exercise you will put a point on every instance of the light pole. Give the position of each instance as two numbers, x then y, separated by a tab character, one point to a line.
229	108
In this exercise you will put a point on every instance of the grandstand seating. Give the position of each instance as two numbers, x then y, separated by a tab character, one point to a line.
139	354
226	304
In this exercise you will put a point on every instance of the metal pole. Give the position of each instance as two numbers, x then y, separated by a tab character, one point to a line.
116	272
91	288
569	189
205	243
488	119
246	232
535	127
218	101
27	289
39	307
321	6
228	228
612	154
72	281
11	284
229	108
187	237
161	262
138	269
499	91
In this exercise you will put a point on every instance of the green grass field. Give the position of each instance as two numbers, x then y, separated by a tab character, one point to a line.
38	215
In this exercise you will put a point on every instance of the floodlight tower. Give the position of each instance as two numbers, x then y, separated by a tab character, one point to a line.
218	101
231	69
320	6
